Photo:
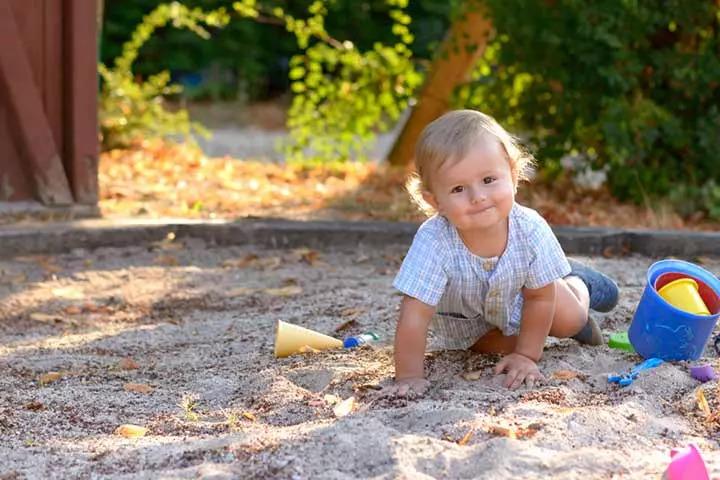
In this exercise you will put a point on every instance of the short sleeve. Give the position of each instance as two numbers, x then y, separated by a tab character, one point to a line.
548	261
422	274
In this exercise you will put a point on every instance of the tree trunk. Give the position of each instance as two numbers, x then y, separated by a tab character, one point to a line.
463	45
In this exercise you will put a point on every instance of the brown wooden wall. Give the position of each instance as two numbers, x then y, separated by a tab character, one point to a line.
48	101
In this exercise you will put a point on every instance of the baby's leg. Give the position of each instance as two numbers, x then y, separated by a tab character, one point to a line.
571	317
572	302
495	342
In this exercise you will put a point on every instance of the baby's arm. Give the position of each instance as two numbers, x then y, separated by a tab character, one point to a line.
537	317
410	339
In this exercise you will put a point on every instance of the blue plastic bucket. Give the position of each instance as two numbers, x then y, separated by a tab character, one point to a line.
661	330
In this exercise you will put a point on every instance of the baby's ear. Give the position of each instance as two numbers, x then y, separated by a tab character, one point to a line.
430	198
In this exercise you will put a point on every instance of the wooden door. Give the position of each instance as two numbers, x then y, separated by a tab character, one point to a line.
48	101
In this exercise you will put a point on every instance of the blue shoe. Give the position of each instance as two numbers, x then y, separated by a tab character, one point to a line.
590	333
603	290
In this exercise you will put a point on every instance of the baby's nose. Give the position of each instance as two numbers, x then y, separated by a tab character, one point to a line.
477	195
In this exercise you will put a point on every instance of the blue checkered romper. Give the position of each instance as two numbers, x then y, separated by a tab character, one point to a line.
474	294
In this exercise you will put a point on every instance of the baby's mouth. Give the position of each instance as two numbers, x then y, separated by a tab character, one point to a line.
481	210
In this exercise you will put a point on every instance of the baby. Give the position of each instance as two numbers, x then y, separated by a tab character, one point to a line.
486	272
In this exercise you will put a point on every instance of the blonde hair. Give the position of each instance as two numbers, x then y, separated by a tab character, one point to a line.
449	138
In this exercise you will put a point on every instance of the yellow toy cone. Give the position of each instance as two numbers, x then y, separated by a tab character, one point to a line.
291	339
683	294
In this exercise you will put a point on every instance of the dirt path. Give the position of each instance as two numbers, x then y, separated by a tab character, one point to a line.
194	325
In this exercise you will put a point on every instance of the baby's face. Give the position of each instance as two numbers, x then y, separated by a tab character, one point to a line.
477	192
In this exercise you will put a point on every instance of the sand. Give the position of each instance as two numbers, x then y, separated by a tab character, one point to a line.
193	325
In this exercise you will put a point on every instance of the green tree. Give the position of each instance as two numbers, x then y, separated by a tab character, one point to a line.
342	94
131	109
628	87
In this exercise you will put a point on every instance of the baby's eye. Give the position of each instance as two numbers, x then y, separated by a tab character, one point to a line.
487	180
457	189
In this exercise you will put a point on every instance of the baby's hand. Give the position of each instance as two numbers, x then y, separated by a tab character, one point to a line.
519	369
406	387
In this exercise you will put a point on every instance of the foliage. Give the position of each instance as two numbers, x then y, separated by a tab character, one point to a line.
629	87
131	109
342	95
245	59
250	59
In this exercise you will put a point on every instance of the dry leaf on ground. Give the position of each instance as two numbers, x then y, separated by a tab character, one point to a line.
250	416
72	310
128	363
243	262
529	431
239	291
306	255
269	263
346	325
284	291
344	408
352	312
466	438
45	318
702	402
50	377
564	374
34	406
138	388
69	293
521	433
502	431
91	307
472	376
130	431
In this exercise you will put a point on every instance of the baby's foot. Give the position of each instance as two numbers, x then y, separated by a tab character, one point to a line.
590	333
603	290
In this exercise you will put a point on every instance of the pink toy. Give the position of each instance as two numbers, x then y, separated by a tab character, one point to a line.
686	464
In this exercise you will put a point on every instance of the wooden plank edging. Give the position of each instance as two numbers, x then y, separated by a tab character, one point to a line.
89	234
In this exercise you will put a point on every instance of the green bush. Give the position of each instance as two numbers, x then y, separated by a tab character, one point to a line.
344	95
254	55
627	87
130	109
631	87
